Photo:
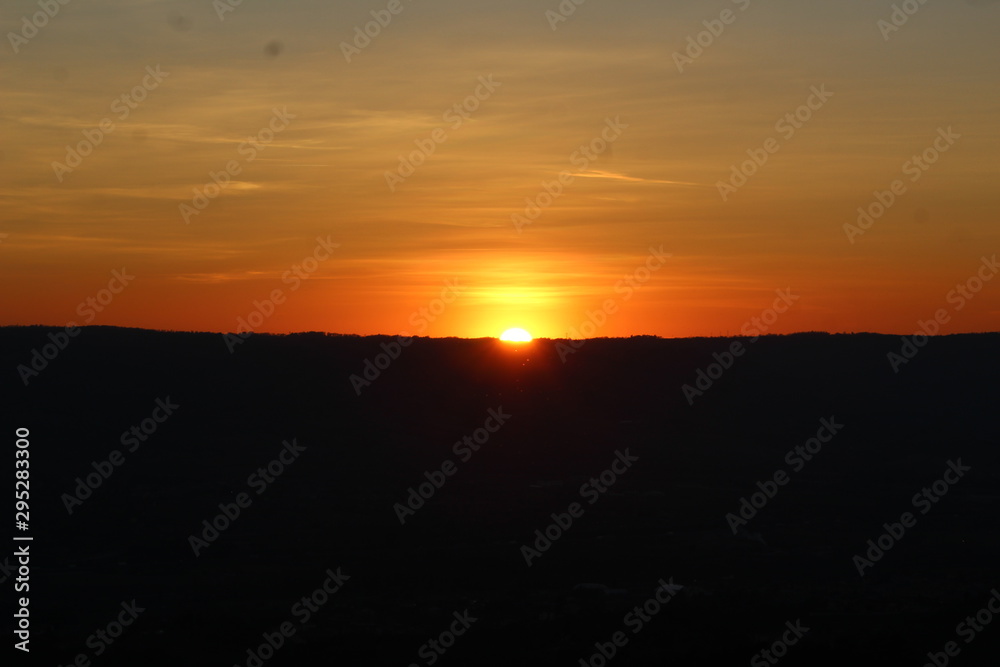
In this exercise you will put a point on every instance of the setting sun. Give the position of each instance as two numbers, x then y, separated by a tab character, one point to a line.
515	336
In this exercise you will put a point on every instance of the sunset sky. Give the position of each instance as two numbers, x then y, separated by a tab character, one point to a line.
341	126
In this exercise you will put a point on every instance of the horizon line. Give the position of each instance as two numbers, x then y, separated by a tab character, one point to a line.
496	338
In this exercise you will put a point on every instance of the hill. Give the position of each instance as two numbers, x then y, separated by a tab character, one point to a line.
235	490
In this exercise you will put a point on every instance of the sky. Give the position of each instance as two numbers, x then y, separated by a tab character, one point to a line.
480	165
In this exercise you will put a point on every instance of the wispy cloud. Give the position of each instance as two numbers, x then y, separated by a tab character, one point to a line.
593	173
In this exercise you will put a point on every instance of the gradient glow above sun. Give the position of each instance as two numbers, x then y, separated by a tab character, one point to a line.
515	335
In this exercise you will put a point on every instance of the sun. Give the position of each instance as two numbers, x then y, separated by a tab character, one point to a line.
516	335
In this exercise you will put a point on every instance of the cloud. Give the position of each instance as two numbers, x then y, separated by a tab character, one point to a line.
592	173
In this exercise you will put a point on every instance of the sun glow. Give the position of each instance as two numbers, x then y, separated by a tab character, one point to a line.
515	335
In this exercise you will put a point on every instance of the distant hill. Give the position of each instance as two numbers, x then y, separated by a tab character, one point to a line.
193	423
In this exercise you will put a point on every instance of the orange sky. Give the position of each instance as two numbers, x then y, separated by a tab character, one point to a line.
322	174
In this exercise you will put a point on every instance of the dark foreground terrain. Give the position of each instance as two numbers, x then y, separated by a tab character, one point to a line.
910	459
